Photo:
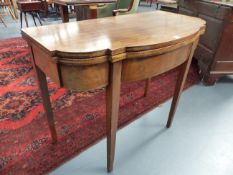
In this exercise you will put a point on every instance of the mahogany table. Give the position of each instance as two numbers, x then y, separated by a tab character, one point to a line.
77	57
82	7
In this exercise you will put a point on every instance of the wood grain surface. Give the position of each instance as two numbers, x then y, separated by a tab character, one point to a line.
115	35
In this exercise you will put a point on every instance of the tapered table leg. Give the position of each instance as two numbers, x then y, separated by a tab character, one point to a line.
112	109
46	102
21	19
43	86
183	72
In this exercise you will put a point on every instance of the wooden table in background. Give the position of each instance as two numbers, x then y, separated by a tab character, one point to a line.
125	48
29	7
82	5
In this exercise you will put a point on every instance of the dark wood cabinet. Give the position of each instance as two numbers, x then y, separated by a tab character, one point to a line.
215	49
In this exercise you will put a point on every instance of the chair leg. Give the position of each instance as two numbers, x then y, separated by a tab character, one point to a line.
11	13
112	109
14	8
184	68
21	20
32	14
39	19
25	17
1	19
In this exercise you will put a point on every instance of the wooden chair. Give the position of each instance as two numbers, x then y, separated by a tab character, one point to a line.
6	5
122	7
126	7
105	10
2	21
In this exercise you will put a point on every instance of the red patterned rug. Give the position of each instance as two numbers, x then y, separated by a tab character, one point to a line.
25	143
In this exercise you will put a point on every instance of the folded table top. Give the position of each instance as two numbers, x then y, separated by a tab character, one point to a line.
114	35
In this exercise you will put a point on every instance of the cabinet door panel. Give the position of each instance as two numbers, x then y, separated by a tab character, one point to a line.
225	51
213	32
213	10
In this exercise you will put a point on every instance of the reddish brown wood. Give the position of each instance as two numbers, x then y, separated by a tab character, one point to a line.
183	72
46	103
107	57
42	83
147	86
92	13
112	102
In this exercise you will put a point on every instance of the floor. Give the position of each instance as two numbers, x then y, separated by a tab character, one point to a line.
199	142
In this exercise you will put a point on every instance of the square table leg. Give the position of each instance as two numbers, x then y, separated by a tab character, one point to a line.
43	86
183	72
112	110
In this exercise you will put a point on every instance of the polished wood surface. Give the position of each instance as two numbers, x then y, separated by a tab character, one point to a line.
113	35
77	57
82	6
